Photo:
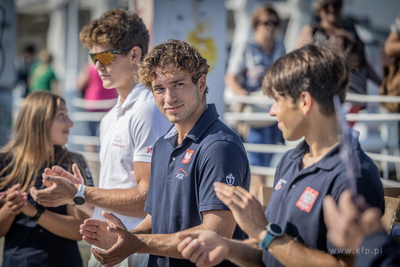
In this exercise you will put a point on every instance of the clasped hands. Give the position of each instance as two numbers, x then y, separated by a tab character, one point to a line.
115	242
207	248
60	186
17	202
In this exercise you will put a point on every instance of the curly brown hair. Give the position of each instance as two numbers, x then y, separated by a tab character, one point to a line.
119	28
172	56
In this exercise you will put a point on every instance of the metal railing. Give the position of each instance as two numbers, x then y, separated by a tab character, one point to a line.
384	158
388	120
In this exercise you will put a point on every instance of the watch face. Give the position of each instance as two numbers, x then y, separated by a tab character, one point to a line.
275	229
79	200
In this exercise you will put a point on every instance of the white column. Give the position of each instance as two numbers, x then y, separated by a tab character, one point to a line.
8	28
56	36
72	45
300	15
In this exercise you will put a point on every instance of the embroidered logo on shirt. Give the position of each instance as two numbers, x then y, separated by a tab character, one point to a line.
187	156
118	139
230	179
280	184
149	150
307	199
180	174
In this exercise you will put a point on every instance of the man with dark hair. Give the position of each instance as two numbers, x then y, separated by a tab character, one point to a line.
293	232
118	41
196	152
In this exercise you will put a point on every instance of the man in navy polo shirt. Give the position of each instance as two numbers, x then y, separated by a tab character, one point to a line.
293	232
196	152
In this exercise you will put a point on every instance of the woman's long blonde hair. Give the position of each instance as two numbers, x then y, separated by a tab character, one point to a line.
31	150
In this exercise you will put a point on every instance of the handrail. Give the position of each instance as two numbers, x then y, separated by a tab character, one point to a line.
237	116
262	116
263	148
87	116
266	101
84	140
94	104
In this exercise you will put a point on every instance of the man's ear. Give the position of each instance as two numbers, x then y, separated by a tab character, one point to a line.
135	54
305	102
202	83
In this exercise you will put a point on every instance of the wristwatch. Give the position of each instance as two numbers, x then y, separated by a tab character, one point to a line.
40	209
79	198
274	230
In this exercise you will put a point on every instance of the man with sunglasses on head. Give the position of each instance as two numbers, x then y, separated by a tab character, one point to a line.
118	41
246	68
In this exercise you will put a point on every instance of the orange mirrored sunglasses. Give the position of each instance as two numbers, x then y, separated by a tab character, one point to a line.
107	57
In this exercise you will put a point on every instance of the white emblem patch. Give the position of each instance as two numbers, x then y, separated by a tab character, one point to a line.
280	184
230	179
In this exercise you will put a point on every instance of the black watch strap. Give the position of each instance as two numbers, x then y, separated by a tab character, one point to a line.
40	209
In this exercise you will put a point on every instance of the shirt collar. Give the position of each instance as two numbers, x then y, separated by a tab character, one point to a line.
329	161
130	99
209	116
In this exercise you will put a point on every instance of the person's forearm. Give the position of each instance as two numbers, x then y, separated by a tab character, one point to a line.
301	255
6	220
161	245
66	226
166	244
244	253
129	202
232	83
86	208
144	227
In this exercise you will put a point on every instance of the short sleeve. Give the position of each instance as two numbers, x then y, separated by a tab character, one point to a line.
236	64
224	162
148	203
149	124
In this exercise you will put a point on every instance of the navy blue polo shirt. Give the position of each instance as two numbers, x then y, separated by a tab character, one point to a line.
182	178
296	202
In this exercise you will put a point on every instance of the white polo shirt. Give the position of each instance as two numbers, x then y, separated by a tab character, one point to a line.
127	135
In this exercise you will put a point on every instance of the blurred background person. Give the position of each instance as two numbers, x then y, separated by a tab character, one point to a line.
330	26
391	70
23	66
41	76
246	68
392	44
35	235
391	81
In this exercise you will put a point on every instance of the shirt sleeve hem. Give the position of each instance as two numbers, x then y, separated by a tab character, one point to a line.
212	206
